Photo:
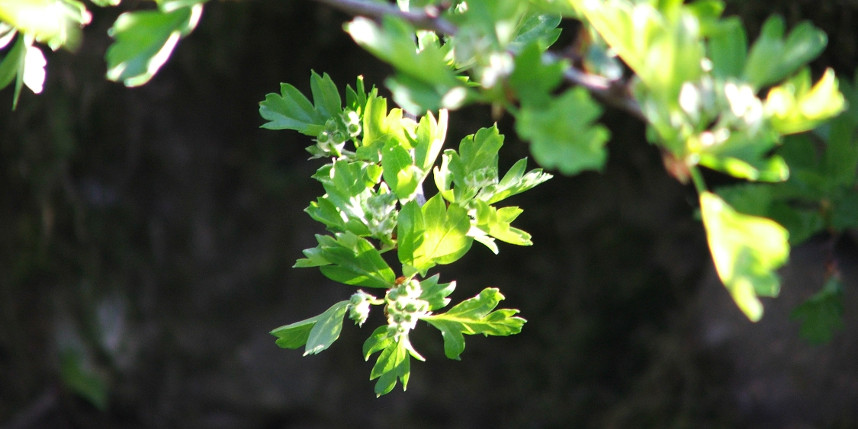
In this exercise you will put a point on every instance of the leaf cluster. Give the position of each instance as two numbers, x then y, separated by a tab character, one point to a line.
144	39
374	203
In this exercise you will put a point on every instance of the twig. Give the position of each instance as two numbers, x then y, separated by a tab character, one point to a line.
613	93
429	19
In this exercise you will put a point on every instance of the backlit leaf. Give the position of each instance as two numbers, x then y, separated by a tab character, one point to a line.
747	250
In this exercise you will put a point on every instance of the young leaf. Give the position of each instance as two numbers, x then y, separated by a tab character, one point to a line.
317	333
515	181
474	316
291	110
393	363
563	135
349	259
540	29
145	40
496	223
432	234
436	293
474	167
399	171
326	97
327	328
746	250
796	107
11	62
429	139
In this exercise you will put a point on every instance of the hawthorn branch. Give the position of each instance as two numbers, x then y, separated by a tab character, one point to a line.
610	92
428	19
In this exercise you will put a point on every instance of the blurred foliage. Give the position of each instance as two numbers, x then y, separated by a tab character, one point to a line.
106	204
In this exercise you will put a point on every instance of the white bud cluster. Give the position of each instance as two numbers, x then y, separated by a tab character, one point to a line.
405	308
359	305
337	131
380	213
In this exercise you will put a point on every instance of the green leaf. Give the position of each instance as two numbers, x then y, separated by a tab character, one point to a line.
349	259
822	314
294	335
436	293
539	29
474	167
291	110
144	42
747	250
474	316
563	135
431	235
515	181
496	223
379	127
327	328
12	62
399	171
772	58
393	362
429	139
532	79
326	96
317	333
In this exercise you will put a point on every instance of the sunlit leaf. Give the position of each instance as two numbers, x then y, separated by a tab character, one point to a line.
432	234
746	250
145	40
349	259
317	333
475	316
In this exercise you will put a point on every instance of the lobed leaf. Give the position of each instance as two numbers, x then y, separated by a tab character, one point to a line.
563	135
349	259
474	316
533	80
431	235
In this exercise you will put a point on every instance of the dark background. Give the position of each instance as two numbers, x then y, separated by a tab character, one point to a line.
147	237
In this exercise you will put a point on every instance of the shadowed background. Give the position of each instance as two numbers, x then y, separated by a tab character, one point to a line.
147	237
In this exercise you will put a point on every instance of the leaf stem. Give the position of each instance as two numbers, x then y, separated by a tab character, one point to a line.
697	178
